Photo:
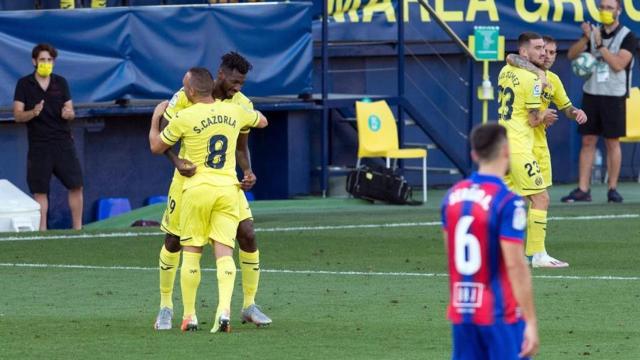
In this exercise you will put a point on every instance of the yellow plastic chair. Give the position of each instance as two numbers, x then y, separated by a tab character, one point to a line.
633	118
378	137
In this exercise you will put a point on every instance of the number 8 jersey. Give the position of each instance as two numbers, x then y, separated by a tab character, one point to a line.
477	214
209	133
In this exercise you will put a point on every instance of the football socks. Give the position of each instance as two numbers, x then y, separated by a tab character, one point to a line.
226	273
189	281
168	265
536	231
250	267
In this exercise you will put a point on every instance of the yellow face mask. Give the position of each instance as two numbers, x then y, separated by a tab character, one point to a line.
606	17
44	69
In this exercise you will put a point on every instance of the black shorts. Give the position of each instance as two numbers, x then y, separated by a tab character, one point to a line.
59	159
606	116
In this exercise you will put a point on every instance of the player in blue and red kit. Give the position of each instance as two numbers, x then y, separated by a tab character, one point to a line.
491	297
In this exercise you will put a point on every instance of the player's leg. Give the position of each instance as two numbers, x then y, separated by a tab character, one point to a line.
614	161
195	223
190	276
249	258
76	200
224	225
169	257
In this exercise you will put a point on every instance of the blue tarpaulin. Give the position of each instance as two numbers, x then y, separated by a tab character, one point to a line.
143	52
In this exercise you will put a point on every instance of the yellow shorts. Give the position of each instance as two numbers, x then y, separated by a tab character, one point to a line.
524	176
209	213
543	157
171	218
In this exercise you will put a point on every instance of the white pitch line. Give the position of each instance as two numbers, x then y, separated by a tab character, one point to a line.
308	272
298	228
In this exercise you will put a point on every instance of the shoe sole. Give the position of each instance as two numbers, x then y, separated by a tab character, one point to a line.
258	324
223	326
550	266
189	327
160	328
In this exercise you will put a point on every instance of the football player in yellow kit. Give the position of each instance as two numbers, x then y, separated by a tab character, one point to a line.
228	83
553	92
209	131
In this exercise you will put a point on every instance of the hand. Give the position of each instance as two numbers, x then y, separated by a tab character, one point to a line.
530	342
248	181
160	108
185	167
549	117
580	116
597	37
586	30
38	108
67	113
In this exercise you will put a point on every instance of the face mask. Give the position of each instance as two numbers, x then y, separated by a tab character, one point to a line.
606	17
44	69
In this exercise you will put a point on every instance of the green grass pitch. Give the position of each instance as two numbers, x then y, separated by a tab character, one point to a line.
336	289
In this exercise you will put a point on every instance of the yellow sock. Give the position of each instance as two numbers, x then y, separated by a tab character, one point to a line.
168	266
536	231
189	281
226	273
250	267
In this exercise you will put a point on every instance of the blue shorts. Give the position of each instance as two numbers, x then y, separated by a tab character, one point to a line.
490	342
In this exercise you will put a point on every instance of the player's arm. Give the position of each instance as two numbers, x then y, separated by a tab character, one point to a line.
513	221
622	59
576	114
158	146
521	284
184	166
522	63
536	117
243	158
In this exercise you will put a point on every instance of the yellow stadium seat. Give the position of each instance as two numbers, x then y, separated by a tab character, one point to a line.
378	137
633	116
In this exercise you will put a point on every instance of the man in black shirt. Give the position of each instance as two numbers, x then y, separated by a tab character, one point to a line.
42	100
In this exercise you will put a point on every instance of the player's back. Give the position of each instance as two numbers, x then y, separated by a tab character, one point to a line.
210	134
477	214
518	91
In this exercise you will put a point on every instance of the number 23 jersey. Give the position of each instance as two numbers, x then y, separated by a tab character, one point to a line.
209	134
477	214
518	92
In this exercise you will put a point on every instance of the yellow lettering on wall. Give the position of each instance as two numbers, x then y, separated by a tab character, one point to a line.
378	6
424	14
448	15
632	12
592	7
578	14
542	13
337	8
489	6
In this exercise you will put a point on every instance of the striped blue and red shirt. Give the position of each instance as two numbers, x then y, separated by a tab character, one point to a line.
477	214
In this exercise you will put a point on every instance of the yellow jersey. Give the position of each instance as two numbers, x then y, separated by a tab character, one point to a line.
553	93
518	91
209	133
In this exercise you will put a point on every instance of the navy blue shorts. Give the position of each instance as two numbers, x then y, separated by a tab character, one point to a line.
490	342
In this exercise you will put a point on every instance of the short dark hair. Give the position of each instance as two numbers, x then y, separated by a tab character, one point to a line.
43	47
526	37
486	140
234	61
201	81
548	39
